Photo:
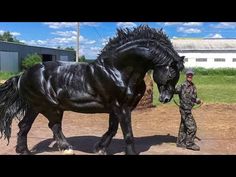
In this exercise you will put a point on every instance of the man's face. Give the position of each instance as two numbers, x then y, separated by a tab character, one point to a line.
189	77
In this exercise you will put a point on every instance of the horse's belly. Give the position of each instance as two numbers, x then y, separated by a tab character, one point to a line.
84	107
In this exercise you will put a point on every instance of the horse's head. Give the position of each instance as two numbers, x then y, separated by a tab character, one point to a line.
166	78
145	48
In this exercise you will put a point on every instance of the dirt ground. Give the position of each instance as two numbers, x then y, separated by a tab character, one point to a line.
155	131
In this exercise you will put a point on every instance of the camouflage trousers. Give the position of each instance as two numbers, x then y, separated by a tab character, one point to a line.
187	129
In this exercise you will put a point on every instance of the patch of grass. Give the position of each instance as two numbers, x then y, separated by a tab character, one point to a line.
218	71
211	88
6	75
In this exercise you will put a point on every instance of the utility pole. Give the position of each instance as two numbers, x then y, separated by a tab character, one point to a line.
77	46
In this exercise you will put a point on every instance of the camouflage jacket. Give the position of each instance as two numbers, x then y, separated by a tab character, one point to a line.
187	94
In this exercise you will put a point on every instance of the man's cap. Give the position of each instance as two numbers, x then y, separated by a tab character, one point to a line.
189	71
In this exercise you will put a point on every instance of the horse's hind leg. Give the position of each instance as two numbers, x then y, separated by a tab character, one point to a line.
101	146
55	122
25	126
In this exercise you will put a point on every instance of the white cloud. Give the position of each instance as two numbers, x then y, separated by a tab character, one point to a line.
95	48
172	23
58	25
35	42
23	41
105	40
193	24
65	33
90	42
52	43
126	25
72	36
188	30
89	23
183	23
225	25
64	40
15	33
83	40
89	52
216	35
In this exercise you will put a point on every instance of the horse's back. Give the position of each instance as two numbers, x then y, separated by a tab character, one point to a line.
60	85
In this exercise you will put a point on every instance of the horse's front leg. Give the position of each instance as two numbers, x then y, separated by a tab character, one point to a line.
101	146
124	116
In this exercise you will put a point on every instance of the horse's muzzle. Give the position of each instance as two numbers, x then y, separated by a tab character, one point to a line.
165	98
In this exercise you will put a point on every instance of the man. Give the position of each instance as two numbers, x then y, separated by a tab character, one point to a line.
188	97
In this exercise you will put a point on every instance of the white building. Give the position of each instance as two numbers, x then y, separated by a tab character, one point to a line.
207	53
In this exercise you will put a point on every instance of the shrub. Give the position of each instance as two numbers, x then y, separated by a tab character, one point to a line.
31	60
82	58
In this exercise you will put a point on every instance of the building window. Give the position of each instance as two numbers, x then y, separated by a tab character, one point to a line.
234	59
185	59
219	60
201	59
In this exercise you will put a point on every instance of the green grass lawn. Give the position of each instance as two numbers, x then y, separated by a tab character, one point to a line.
211	88
6	75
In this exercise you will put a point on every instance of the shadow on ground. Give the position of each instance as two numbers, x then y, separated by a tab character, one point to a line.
86	144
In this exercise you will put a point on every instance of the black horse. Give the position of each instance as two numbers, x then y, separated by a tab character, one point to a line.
114	84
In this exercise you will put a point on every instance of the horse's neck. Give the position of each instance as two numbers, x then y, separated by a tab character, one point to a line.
124	69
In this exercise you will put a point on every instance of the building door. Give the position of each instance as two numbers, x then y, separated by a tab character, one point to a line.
9	61
47	57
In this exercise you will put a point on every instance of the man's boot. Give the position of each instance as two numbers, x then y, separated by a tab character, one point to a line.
193	147
181	145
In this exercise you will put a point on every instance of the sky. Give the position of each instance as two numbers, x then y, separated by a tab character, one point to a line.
94	35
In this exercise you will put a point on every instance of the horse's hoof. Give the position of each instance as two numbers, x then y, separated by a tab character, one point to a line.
131	153
68	152
26	152
22	151
101	152
98	150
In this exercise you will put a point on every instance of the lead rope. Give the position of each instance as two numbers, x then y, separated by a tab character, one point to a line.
195	107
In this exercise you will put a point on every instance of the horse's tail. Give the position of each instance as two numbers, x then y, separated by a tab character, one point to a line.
11	106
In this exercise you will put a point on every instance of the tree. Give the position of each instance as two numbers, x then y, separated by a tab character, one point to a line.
8	37
69	48
82	58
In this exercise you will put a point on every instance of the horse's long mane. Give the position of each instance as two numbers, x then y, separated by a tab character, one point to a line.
126	35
